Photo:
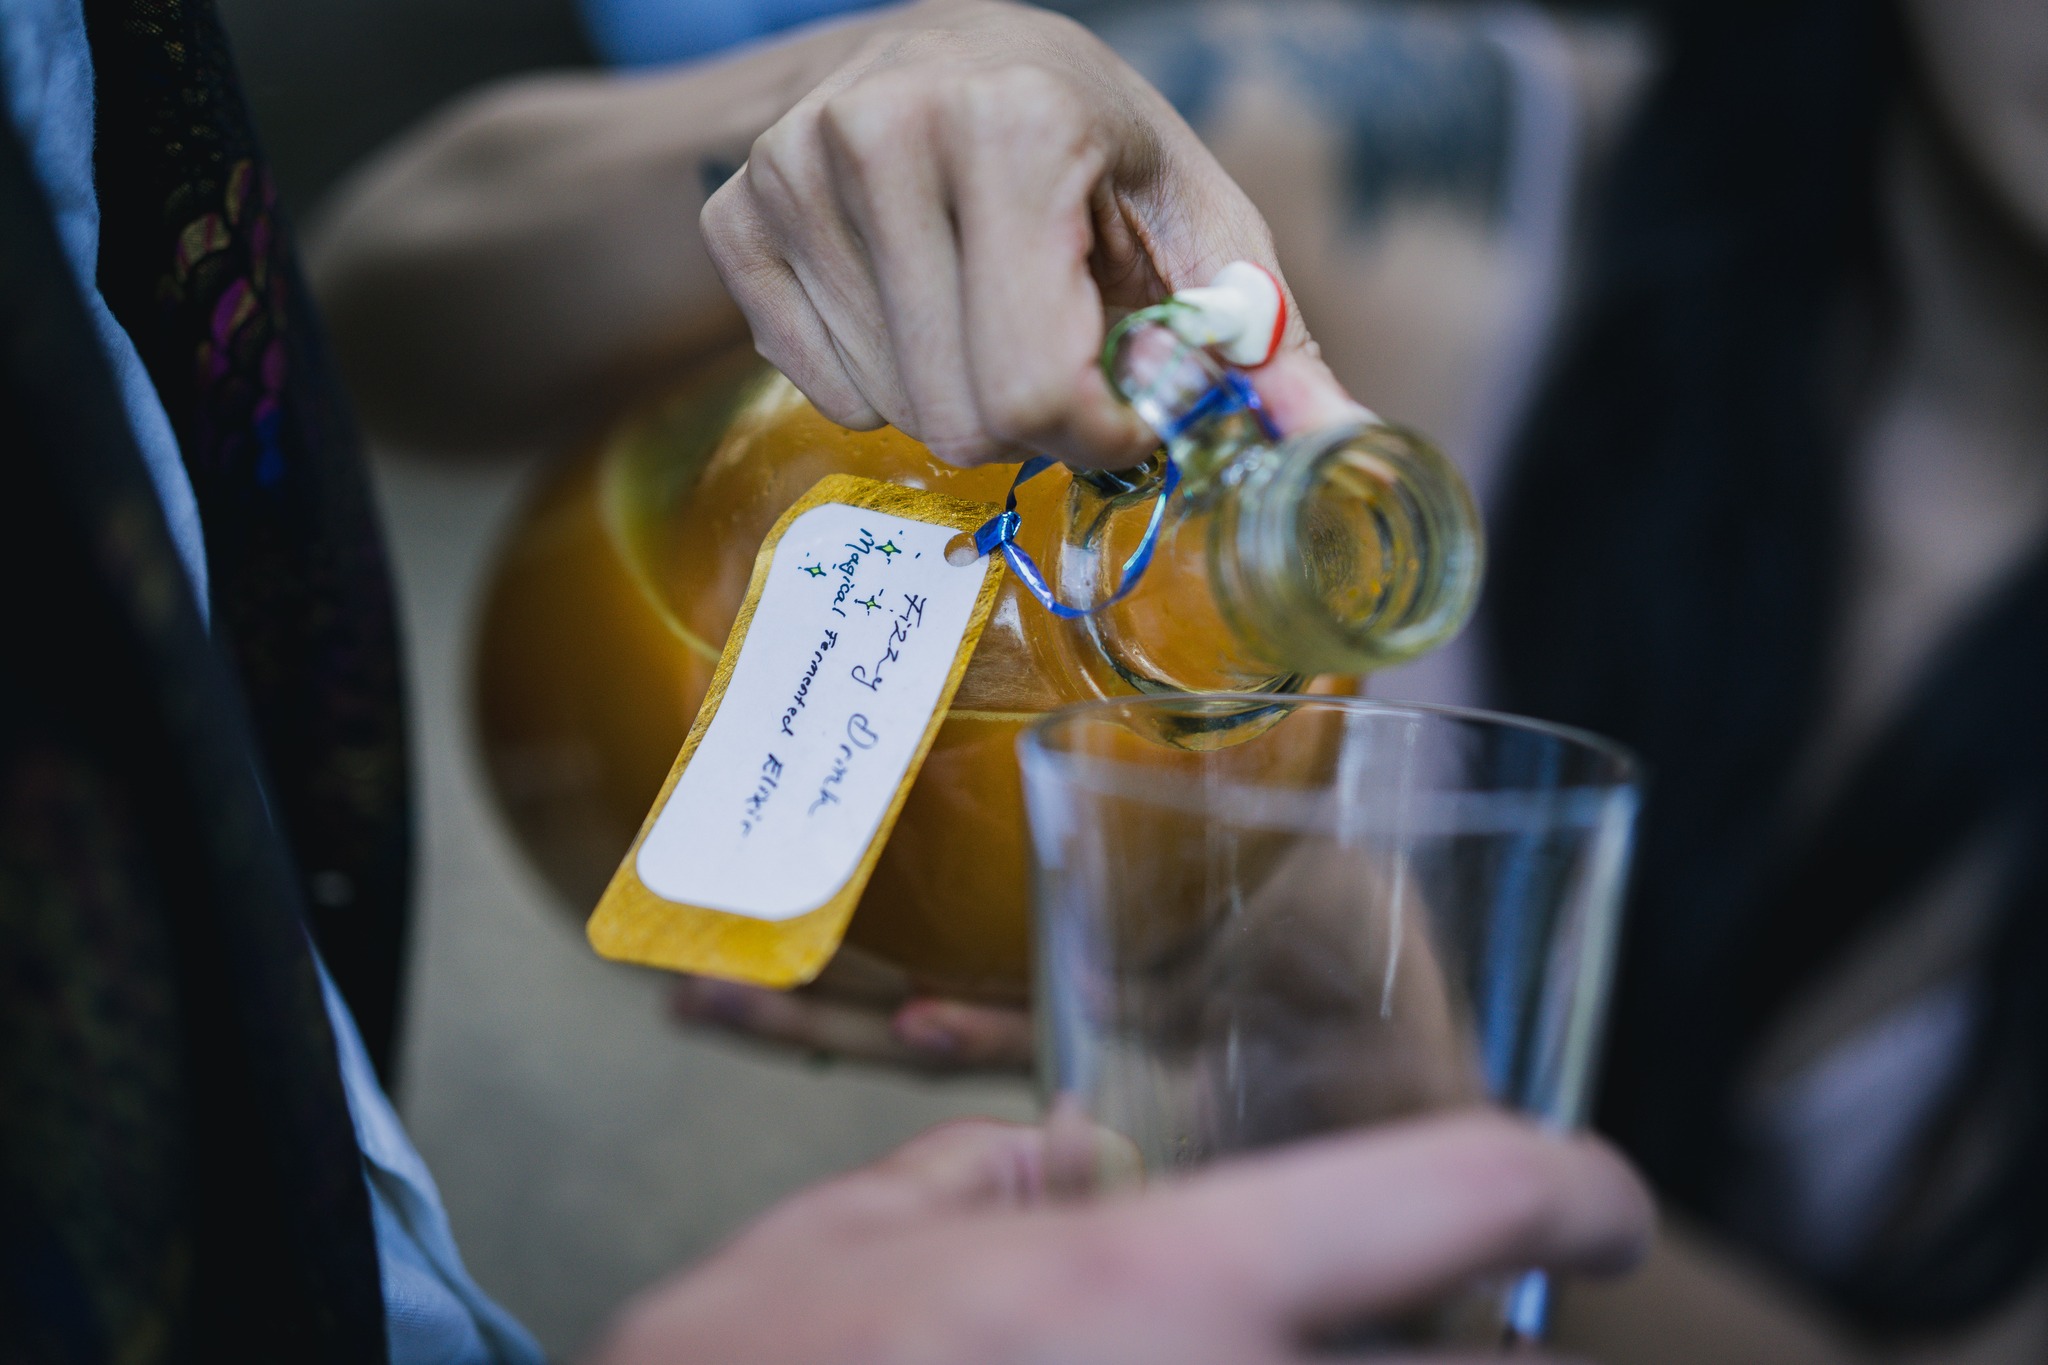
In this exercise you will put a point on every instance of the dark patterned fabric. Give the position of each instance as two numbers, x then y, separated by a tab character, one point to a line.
196	262
179	1179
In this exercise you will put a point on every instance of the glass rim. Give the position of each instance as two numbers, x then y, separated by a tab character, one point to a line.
1629	763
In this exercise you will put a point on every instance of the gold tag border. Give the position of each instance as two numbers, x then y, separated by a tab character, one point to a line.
632	924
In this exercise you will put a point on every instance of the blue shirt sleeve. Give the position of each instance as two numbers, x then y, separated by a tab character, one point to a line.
635	33
434	1313
49	96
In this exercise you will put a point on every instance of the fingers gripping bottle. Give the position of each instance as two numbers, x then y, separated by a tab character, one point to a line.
1232	560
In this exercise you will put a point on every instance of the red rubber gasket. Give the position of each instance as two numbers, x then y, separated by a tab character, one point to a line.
1279	316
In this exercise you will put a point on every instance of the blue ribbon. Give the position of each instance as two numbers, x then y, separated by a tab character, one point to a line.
999	532
1234	394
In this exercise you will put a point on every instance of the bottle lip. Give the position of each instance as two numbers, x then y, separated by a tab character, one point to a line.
1305	631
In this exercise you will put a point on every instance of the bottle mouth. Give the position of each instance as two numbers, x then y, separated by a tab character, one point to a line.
1357	548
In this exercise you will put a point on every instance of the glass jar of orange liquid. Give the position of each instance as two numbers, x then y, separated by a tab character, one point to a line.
1274	565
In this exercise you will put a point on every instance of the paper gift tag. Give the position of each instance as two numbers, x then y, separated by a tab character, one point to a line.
847	650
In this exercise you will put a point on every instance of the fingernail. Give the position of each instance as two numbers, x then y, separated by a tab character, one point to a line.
718	1002
926	1034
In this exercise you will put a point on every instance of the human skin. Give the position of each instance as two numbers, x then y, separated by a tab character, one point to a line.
923	214
950	1251
930	237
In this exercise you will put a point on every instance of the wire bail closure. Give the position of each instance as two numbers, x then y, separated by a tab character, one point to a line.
1240	315
999	532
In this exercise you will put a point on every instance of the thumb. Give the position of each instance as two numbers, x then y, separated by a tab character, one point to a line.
964	1164
1297	388
1301	394
1249	306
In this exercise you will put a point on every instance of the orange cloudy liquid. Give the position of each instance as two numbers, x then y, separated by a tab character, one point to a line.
615	591
613	595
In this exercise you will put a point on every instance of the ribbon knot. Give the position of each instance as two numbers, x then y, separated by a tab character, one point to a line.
998	531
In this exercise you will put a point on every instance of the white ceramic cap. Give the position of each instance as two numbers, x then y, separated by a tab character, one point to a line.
1240	314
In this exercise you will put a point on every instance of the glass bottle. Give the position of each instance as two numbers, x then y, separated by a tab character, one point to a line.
1288	565
1340	551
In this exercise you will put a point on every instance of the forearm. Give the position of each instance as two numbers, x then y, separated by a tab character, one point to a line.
510	268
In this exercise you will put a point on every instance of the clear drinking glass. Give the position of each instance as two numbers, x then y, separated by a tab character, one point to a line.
1264	918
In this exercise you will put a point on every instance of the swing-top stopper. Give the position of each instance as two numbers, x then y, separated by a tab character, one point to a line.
1239	314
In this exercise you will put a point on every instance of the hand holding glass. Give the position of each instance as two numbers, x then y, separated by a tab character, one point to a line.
1266	918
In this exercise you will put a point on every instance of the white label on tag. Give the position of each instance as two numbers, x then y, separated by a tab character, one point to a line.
849	649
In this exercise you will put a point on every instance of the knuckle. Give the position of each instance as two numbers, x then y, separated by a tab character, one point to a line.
1117	1264
842	407
1024	409
780	165
872	123
1020	92
837	1208
942	1140
768	345
820	379
1018	103
729	225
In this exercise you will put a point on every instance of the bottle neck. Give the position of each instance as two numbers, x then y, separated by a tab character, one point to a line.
1346	550
1205	416
1341	551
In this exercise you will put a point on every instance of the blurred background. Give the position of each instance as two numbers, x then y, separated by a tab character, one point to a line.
332	79
584	1144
